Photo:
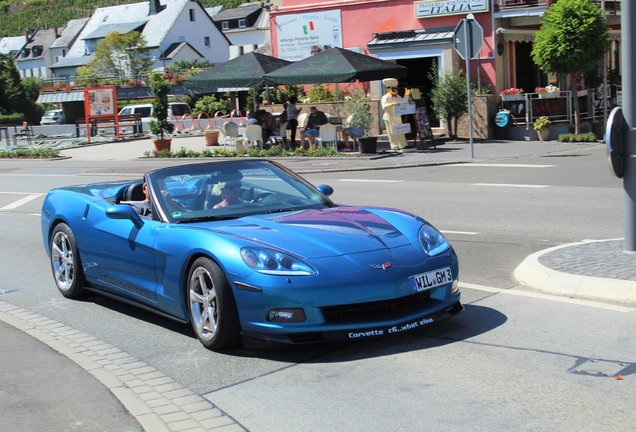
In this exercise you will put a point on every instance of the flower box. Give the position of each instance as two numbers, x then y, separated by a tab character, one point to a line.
516	97
548	95
581	92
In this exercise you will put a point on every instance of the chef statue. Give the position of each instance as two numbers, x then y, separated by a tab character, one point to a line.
397	140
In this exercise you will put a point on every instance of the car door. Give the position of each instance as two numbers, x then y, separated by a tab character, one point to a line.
119	256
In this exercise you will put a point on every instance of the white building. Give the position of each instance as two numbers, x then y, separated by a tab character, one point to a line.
247	27
173	29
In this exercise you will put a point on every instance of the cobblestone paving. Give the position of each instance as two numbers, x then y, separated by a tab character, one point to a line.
599	259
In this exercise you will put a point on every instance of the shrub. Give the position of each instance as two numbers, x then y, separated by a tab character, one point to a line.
588	137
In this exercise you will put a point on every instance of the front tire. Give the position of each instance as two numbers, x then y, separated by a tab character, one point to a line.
65	262
212	307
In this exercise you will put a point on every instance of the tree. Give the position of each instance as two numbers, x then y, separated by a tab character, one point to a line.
13	97
449	97
573	39
122	56
160	87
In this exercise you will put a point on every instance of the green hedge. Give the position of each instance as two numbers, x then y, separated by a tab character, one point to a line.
22	153
12	119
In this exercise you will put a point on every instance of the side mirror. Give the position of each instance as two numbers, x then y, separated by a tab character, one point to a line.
325	189
124	212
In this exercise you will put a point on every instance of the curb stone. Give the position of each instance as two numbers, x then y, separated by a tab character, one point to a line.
134	383
535	275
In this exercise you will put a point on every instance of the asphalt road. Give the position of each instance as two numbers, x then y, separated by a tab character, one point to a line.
501	365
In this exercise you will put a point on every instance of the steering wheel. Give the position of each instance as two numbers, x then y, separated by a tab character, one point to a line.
258	199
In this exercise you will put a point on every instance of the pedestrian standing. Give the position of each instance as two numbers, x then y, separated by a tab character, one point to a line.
292	118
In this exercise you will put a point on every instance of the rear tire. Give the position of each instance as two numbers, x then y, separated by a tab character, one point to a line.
65	262
213	312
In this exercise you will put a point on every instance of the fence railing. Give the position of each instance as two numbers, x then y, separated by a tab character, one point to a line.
558	107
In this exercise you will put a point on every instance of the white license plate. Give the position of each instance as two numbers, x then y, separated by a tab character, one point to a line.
427	281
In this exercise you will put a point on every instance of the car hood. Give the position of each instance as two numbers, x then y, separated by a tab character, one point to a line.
322	233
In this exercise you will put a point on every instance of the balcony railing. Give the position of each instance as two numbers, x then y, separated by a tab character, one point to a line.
612	7
507	4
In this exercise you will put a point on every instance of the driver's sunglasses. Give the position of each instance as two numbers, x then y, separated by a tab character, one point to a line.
233	186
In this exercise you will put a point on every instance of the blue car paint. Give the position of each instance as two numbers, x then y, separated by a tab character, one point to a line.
149	264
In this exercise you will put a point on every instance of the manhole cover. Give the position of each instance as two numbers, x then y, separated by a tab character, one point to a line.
600	368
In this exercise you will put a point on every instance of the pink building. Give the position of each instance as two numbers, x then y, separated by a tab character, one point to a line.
412	33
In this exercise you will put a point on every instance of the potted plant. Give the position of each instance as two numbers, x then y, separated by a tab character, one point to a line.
160	125
361	119
211	136
542	126
549	91
511	94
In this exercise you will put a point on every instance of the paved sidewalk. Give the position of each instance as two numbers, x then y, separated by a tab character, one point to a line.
157	403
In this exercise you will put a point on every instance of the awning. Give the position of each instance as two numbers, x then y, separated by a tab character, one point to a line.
61	96
411	38
515	35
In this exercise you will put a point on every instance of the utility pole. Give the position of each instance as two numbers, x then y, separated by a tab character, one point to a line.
628	37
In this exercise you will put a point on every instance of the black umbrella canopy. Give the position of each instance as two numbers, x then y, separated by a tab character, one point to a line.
336	65
243	71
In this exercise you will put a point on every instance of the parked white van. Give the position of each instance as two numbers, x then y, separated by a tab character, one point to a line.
175	109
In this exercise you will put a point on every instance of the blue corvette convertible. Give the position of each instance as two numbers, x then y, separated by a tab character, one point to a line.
249	248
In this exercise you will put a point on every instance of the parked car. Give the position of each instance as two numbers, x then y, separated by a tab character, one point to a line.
175	109
53	117
250	248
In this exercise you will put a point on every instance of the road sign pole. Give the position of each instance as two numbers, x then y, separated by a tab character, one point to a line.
468	52
628	15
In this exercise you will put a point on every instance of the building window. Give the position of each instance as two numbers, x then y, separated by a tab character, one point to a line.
206	41
254	47
192	15
63	53
242	23
241	50
225	25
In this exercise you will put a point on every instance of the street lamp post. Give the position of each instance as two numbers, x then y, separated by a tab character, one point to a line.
162	58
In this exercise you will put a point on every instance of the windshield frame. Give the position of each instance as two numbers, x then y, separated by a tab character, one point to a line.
200	179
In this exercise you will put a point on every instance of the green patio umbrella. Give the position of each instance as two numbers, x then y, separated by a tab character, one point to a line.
336	65
246	70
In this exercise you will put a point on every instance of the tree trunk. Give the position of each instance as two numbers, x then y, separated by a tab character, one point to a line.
449	124
575	105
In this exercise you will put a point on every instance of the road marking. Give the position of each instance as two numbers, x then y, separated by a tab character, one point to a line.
510	185
500	165
546	297
458	232
371	181
22	201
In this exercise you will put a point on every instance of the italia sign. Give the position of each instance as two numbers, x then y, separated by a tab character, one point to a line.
432	8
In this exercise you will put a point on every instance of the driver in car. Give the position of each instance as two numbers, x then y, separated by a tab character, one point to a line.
229	187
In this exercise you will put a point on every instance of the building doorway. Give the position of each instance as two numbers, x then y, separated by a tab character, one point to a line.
528	76
419	70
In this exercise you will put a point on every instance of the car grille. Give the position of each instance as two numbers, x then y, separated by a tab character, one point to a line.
376	310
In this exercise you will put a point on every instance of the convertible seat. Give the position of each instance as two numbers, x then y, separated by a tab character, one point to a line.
135	192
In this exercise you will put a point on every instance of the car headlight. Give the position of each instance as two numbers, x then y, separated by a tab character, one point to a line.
272	262
433	242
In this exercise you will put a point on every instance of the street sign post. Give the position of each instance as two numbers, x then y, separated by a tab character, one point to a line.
468	40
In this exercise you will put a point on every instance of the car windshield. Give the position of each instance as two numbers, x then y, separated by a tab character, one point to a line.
228	190
50	113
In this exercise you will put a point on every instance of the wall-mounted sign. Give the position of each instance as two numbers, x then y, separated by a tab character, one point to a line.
301	35
433	8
